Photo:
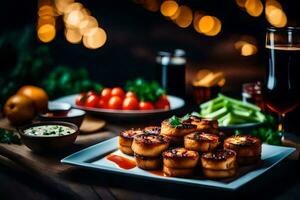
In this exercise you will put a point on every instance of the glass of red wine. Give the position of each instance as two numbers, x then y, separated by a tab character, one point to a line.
282	85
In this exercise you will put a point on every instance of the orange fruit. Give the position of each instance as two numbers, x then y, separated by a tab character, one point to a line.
38	95
19	109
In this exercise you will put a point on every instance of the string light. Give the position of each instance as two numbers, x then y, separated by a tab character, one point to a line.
80	25
94	38
46	33
73	35
246	48
275	14
168	8
185	17
254	7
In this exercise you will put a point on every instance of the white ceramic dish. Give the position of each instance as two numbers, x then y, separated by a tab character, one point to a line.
94	157
175	103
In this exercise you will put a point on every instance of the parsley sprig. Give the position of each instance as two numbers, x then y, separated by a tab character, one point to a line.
9	137
177	121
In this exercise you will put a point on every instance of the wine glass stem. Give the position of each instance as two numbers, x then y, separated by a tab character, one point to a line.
281	124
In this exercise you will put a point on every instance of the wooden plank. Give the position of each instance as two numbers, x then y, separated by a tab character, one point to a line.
48	169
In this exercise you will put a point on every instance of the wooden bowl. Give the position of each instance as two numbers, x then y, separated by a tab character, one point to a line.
51	143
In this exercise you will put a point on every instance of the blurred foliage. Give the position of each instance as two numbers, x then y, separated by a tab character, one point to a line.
9	137
64	81
22	61
146	91
267	133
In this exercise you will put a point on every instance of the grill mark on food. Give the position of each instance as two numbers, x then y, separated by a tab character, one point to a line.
152	129
130	133
201	136
243	140
218	155
180	153
150	138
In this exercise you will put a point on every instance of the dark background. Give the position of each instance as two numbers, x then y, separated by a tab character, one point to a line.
135	34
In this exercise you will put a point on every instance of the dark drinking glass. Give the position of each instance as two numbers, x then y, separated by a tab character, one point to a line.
282	87
170	72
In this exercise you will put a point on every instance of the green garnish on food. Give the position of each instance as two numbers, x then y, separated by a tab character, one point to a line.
177	121
9	137
229	111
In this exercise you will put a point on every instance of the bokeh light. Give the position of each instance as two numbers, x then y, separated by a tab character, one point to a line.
73	35
46	10
168	8
94	38
241	3
74	18
206	24
254	7
61	5
46	33
248	49
197	17
185	17
275	14
216	29
86	23
245	48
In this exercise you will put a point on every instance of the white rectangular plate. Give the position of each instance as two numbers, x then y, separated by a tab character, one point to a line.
94	157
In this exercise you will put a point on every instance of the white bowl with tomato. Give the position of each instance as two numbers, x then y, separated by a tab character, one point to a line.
117	102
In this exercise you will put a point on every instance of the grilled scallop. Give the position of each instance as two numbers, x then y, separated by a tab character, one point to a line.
178	172
152	129
248	148
179	131
204	124
149	144
126	139
179	162
203	142
148	163
219	164
176	141
180	158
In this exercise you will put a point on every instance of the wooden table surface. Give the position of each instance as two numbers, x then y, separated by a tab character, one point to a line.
28	175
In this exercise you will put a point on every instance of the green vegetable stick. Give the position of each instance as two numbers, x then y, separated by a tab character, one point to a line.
213	101
237	102
217	114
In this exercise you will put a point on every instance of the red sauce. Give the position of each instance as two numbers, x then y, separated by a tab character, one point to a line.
157	172
122	162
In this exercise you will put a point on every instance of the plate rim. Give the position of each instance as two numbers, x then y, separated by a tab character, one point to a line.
129	112
77	159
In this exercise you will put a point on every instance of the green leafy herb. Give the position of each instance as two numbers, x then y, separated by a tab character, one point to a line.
175	121
9	137
64	81
145	91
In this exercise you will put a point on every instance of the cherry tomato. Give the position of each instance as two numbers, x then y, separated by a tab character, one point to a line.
117	91
146	105
115	102
92	101
130	103
102	103
162	103
130	94
90	93
80	99
106	94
